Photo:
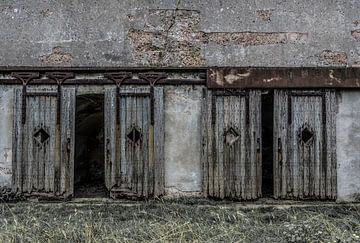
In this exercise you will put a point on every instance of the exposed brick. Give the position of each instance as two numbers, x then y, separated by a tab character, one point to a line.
253	38
173	36
171	42
333	57
356	34
264	14
57	56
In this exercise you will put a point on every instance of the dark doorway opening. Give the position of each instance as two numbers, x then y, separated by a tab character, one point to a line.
89	168
267	120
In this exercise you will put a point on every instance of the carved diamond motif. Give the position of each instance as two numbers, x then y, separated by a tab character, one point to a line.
41	136
306	135
231	136
134	135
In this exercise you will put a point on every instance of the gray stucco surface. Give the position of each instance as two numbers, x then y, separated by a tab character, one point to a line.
348	146
182	139
179	33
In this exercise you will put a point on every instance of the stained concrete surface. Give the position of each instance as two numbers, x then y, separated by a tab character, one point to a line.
179	33
182	139
348	146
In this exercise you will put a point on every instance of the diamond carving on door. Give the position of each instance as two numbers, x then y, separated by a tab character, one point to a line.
41	136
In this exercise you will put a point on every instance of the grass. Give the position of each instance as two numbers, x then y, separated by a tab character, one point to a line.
177	220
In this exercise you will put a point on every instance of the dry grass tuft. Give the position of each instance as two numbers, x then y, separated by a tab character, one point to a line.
171	220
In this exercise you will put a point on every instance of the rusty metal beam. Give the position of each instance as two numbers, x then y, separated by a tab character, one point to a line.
240	78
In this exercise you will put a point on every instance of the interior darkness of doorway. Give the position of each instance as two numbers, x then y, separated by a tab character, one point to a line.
89	147
267	116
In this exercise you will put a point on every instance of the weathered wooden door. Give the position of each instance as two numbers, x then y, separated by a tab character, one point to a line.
304	144
43	142
134	140
232	144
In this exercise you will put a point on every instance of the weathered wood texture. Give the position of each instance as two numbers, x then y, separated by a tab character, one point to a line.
231	156
304	144
43	151
134	156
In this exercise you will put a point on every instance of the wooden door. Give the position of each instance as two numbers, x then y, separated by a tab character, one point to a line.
134	140
232	144
304	144
43	143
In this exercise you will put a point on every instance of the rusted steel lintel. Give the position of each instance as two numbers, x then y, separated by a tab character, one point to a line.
105	82
305	77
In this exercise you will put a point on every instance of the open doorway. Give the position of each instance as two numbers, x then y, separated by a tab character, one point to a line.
89	168
267	116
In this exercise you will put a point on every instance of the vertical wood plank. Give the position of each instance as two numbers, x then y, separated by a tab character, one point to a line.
204	142
67	120
211	151
17	142
219	142
159	140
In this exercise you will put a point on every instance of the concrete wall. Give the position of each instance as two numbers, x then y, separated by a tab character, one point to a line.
182	139
180	33
348	146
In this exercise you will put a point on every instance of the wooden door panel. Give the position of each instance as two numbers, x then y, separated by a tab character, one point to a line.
232	144
134	146
304	162
43	148
134	133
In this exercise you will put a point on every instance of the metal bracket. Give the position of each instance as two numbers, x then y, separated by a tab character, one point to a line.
118	79
152	78
25	78
59	78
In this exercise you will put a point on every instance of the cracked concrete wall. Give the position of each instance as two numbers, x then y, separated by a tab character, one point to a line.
179	33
